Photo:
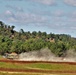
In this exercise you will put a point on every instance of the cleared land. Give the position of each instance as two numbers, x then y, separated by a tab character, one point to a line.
37	68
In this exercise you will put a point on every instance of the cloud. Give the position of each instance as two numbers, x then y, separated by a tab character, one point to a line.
47	2
73	14
58	13
14	0
7	16
22	18
8	12
54	23
16	8
70	2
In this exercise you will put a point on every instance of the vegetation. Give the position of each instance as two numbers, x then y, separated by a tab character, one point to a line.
38	66
13	41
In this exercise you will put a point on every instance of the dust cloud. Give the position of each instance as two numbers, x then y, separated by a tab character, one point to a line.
47	55
70	56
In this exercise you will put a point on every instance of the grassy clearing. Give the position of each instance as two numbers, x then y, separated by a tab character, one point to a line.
1	57
39	66
53	66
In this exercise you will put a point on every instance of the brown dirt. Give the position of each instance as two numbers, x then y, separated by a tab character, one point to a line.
28	62
35	70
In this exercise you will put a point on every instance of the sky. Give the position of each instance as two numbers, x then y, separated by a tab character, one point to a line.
51	16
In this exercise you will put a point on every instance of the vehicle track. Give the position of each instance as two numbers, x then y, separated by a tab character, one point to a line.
28	62
36	70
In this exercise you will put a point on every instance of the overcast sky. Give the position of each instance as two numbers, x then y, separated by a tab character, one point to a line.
56	16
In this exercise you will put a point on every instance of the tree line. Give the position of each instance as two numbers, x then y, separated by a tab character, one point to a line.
13	41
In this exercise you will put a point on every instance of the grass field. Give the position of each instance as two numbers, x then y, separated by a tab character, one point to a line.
45	67
39	66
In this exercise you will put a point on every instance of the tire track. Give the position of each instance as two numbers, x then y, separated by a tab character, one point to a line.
28	62
36	71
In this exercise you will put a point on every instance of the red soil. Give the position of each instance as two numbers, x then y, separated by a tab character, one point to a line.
35	70
28	62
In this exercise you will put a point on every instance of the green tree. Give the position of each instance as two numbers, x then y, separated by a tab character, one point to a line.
34	34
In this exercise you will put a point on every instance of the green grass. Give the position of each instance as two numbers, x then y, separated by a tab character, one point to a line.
40	66
1	57
53	66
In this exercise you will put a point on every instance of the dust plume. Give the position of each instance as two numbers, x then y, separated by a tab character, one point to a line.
47	55
40	55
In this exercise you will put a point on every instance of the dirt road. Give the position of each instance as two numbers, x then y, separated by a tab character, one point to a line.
36	70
